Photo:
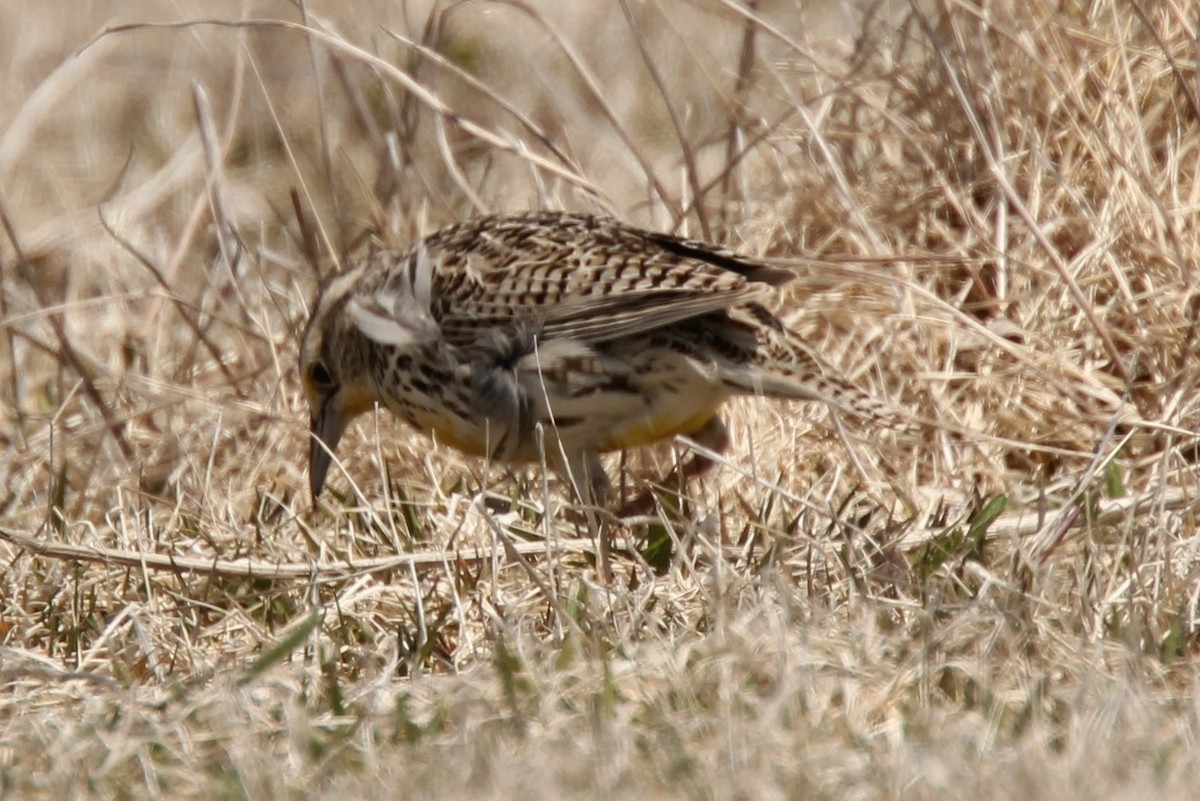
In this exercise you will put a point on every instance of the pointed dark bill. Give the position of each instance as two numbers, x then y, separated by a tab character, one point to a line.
327	426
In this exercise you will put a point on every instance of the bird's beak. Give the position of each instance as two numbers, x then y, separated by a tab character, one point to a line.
329	421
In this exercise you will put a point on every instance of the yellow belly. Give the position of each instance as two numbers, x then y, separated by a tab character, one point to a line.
636	434
654	427
597	432
460	440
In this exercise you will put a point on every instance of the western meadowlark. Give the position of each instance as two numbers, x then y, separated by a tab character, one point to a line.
599	335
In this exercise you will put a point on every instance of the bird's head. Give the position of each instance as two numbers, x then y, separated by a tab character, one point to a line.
335	374
362	317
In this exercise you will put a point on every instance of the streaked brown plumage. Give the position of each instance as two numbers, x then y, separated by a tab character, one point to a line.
605	335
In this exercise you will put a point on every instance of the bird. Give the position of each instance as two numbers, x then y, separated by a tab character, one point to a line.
557	335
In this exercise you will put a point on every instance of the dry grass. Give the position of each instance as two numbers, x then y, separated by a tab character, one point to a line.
994	212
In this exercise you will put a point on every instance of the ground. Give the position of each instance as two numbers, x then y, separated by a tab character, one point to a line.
991	211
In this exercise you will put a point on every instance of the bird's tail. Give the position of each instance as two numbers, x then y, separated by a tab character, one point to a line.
787	367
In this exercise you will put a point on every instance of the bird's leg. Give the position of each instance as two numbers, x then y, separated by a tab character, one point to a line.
712	435
586	474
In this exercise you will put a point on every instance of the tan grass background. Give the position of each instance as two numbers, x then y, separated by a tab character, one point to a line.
992	211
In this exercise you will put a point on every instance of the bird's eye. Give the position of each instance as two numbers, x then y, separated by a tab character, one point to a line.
319	375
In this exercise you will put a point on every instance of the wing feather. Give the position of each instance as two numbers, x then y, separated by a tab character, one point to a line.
597	319
554	276
594	279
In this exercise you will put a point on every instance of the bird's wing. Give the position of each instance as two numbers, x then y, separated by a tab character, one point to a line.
565	275
595	319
